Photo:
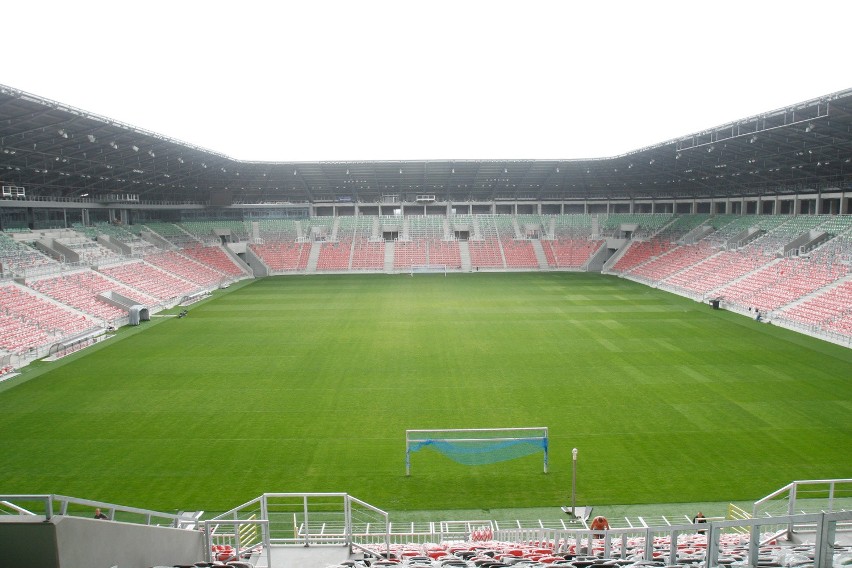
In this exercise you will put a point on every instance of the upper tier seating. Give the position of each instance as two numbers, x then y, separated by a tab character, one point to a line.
649	223
90	251
277	230
17	257
122	234
208	231
171	232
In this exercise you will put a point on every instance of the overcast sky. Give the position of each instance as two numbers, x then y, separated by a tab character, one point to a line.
400	80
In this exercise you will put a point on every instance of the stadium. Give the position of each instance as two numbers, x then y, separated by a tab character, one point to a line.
235	360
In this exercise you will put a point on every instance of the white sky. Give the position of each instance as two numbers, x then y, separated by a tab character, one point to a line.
410	80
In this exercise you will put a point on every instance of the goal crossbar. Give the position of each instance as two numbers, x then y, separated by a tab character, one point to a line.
474	446
428	269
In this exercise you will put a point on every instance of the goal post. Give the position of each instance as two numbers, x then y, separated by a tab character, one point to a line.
428	269
478	446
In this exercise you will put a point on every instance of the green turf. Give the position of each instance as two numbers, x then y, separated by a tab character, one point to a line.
308	384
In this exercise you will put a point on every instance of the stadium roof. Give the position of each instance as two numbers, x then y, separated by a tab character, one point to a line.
54	150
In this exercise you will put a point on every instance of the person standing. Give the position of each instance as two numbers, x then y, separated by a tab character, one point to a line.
599	523
699	518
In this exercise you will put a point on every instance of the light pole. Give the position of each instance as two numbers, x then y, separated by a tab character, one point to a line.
573	481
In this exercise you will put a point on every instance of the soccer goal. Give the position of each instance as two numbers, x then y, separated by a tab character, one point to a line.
428	269
478	446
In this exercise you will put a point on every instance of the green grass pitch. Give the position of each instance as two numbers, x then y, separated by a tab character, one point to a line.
307	384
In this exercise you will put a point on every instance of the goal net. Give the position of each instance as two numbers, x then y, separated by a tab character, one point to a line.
478	446
428	269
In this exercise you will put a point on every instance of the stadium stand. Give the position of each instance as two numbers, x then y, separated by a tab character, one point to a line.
216	258
641	252
81	290
669	262
746	261
780	283
335	256
768	539
35	311
155	282
88	251
172	233
408	253
133	242
570	253
18	258
187	269
283	257
716	271
829	309
211	231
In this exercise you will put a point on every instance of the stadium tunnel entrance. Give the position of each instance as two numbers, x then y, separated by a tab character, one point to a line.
138	314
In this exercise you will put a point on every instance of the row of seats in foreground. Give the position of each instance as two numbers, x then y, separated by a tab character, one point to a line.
691	551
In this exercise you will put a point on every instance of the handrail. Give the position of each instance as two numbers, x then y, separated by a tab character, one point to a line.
210	527
299	504
50	500
744	531
792	489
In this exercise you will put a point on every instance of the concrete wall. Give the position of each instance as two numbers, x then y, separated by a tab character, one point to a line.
74	542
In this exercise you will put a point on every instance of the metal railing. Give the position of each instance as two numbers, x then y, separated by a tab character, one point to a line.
811	496
710	540
50	505
307	519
